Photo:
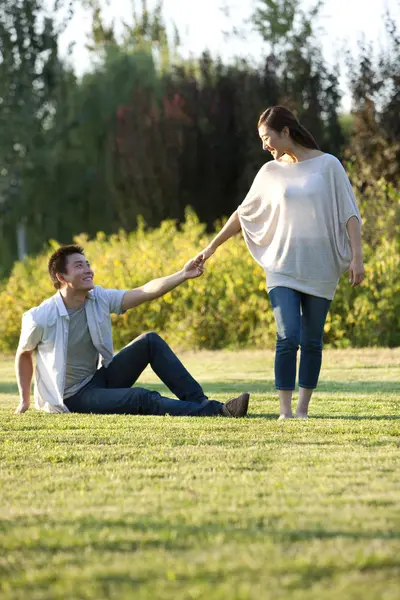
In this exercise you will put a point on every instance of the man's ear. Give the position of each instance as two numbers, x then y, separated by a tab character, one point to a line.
60	278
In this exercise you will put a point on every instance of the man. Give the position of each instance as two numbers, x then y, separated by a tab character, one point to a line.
70	331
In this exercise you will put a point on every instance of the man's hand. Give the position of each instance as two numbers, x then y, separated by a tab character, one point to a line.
204	255
22	407
356	272
194	268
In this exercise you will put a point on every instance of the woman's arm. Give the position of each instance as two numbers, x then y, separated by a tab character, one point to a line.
231	227
356	269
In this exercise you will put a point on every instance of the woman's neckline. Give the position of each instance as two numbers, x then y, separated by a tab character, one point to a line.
299	162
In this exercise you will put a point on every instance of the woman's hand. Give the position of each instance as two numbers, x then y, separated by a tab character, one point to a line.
356	272
231	227
204	255
356	269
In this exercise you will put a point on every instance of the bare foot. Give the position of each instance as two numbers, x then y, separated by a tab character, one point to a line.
301	416
285	416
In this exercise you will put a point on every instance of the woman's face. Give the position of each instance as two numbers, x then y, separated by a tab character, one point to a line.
276	143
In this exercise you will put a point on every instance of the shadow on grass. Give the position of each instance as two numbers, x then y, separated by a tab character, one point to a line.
274	416
358	417
81	531
8	388
264	386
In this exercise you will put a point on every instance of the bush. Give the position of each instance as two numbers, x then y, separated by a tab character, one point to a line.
227	307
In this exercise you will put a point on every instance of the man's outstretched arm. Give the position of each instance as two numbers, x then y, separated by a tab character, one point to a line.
24	372
158	287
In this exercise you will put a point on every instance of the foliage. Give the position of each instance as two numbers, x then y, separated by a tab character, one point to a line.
374	81
227	307
29	78
305	82
147	133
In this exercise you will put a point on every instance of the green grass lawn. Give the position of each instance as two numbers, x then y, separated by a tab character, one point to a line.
156	508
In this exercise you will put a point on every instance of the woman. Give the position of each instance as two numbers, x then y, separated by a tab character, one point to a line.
301	224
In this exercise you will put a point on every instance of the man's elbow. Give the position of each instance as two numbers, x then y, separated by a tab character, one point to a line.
354	221
23	355
133	298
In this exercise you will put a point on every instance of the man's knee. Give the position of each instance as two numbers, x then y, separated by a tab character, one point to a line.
149	336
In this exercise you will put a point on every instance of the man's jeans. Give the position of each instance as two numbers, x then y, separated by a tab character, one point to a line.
300	319
110	392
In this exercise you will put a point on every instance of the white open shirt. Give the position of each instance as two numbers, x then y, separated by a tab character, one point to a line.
45	330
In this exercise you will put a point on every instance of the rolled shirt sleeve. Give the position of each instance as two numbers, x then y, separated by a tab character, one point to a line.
115	298
31	333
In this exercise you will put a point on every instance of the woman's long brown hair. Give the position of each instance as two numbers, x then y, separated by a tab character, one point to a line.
279	117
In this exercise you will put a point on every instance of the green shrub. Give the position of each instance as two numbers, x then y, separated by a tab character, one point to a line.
227	307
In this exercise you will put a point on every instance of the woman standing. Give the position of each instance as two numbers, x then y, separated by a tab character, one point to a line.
301	223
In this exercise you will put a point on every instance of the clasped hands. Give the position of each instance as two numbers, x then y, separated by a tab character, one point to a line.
195	267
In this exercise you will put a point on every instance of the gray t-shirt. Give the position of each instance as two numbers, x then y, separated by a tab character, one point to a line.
82	356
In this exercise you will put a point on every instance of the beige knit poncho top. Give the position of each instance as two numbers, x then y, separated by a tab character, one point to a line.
294	222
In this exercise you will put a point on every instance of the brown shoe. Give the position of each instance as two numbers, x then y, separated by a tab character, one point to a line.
236	407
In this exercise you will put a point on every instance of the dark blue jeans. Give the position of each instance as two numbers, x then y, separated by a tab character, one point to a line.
300	320
110	391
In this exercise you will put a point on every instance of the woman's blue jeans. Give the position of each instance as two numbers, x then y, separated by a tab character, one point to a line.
300	320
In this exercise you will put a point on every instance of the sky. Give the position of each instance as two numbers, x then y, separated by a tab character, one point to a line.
203	25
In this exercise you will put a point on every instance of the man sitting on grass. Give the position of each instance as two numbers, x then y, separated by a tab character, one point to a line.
70	331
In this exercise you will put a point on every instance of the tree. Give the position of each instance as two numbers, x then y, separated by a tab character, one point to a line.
375	85
306	84
274	20
29	71
374	147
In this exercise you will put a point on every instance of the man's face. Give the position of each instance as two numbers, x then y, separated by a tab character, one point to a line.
79	275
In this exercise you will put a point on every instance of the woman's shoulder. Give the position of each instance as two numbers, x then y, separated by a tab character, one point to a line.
334	167
332	160
264	171
269	167
330	157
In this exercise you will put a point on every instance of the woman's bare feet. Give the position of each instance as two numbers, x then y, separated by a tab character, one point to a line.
285	404
284	416
303	403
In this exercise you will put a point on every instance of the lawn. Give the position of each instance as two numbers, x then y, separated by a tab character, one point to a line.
162	508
